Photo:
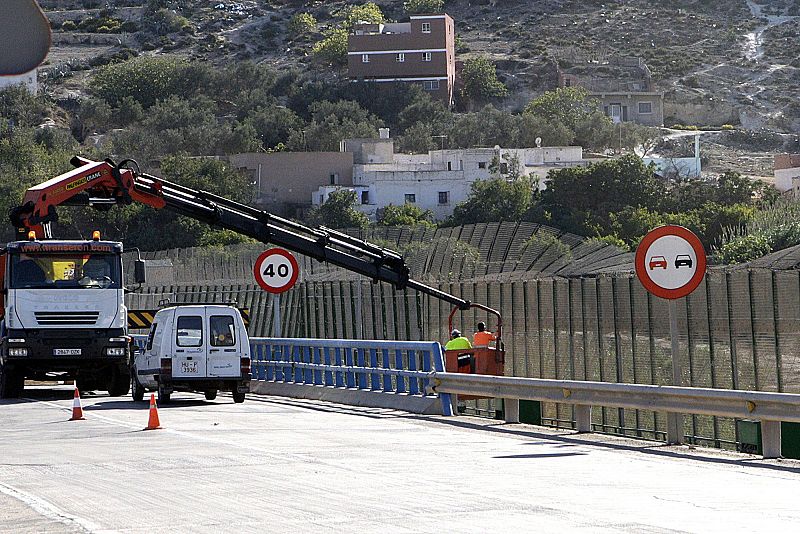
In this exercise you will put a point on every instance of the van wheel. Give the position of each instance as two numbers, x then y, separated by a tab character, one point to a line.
163	396
137	390
238	397
119	384
211	394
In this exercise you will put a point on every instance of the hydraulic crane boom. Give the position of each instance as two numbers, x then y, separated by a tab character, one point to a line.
104	184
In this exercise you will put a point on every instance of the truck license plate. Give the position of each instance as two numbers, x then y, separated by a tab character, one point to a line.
66	352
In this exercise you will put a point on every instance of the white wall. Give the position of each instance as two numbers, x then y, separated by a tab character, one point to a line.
29	80
784	178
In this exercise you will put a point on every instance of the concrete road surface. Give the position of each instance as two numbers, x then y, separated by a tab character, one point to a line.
280	465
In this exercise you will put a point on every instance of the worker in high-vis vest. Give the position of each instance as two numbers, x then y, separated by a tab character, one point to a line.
457	341
481	338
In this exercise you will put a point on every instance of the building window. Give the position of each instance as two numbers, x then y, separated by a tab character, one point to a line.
444	197
645	108
411	198
426	56
364	58
504	168
449	165
365	197
426	27
430	85
334	179
481	164
400	58
567	82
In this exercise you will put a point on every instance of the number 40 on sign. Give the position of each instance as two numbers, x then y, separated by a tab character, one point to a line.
276	270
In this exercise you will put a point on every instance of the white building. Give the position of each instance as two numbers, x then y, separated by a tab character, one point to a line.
440	179
787	174
28	79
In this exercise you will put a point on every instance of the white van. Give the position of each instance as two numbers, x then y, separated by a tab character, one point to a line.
194	348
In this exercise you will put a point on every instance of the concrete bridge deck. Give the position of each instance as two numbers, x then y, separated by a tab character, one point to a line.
279	465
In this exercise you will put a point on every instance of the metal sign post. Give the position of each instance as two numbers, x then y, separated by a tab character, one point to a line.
670	263
276	315
276	271
674	420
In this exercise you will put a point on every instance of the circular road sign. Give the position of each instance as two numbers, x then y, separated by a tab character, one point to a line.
670	262
276	270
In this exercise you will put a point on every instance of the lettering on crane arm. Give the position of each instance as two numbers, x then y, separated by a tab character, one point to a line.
84	180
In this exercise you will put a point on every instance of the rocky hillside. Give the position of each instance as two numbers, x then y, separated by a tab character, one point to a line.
718	62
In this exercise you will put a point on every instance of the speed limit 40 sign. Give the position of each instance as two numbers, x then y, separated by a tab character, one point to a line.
670	262
276	270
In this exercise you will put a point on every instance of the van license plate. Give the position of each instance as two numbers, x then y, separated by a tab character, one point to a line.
189	367
66	352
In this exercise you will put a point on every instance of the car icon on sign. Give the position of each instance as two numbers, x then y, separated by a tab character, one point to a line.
657	261
683	260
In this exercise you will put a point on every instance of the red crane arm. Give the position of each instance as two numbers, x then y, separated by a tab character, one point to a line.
92	183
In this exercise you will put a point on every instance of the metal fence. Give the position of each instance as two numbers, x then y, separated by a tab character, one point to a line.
740	329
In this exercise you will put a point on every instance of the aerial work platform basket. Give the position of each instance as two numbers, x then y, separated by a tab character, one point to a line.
477	360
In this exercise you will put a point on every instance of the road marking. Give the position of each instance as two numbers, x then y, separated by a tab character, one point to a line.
50	511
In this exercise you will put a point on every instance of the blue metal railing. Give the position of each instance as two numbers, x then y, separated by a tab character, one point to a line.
391	367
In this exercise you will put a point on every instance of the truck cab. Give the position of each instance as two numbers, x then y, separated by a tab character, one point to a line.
63	315
202	348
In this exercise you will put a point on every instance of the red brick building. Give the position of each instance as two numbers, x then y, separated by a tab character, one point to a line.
421	51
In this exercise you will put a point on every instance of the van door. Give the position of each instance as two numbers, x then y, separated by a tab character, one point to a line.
189	343
224	343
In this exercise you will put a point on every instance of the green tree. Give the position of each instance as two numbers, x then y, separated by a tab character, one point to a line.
331	122
93	114
302	24
480	81
21	107
339	211
414	7
572	108
369	12
332	49
580	199
274	124
494	200
146	79
405	215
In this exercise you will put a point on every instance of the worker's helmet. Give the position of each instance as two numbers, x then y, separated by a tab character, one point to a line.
455	333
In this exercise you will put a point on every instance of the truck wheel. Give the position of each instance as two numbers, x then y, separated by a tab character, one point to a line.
137	390
238	398
211	394
12	383
163	396
119	384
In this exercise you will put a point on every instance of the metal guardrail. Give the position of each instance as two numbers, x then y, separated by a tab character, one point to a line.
395	367
770	408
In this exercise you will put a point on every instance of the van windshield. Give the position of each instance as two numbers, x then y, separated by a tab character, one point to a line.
66	271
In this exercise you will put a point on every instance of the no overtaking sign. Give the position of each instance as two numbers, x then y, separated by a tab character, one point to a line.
670	262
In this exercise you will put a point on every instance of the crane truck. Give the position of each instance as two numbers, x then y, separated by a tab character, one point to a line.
31	344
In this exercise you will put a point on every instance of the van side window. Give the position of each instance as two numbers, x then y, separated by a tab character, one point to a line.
190	331
222	331
151	336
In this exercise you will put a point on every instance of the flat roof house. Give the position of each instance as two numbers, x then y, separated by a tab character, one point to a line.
421	51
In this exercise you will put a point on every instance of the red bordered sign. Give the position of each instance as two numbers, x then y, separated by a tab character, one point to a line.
276	270
670	262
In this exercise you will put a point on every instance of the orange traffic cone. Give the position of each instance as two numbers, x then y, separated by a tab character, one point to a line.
153	423
77	411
